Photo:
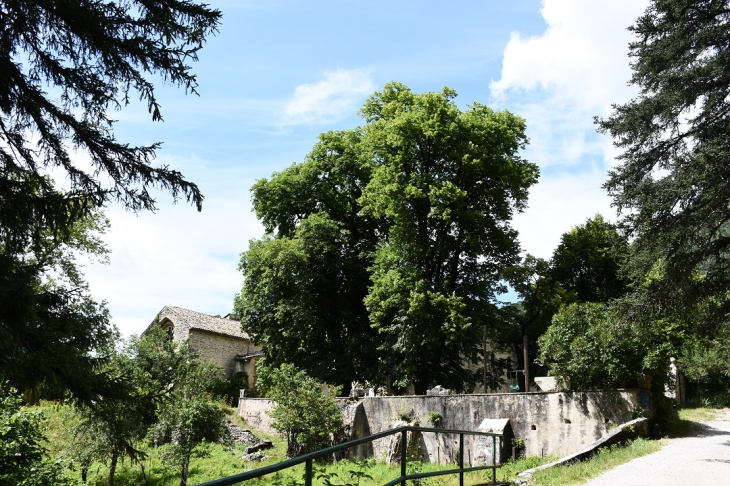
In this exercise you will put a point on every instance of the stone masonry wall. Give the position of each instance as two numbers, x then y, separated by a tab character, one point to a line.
219	348
556	423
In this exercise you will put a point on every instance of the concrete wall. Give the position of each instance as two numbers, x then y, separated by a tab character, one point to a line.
556	423
253	411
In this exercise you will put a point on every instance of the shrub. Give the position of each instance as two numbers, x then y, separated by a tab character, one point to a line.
304	415
434	418
589	345
228	390
22	455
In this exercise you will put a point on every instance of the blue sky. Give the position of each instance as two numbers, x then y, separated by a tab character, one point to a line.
280	72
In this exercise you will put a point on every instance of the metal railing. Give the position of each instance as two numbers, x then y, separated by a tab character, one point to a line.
308	459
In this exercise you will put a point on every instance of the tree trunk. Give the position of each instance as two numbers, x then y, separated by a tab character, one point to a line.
184	473
293	448
112	469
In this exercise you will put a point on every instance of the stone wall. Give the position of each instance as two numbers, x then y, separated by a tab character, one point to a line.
557	423
219	348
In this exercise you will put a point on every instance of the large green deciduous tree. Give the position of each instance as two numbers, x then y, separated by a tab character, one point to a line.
595	349
408	214
588	260
306	280
64	66
448	182
673	180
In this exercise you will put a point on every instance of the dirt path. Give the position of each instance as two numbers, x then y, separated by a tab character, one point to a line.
702	459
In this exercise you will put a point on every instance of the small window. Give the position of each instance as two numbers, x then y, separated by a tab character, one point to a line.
170	331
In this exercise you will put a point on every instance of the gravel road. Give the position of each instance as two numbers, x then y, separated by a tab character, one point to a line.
703	459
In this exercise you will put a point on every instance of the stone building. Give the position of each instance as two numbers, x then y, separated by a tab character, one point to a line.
217	338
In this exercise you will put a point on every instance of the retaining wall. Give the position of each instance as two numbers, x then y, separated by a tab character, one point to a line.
556	423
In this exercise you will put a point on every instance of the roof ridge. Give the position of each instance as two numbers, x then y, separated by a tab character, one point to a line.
206	322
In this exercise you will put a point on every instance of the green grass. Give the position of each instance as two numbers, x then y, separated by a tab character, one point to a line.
225	461
602	461
700	414
346	472
221	463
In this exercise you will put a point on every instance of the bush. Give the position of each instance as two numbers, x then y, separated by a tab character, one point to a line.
304	415
587	344
188	417
22	455
228	390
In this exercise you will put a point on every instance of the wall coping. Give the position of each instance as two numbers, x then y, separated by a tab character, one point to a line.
631	429
392	397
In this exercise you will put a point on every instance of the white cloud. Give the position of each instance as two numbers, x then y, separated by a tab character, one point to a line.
563	78
558	82
556	205
335	97
582	56
177	256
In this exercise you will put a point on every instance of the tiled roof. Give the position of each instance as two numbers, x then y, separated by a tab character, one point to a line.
197	320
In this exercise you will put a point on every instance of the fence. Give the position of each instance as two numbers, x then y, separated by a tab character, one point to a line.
308	459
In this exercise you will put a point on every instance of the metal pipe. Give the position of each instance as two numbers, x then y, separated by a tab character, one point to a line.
461	459
403	455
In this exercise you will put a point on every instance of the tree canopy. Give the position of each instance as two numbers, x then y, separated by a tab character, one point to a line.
52	332
673	180
672	187
409	214
305	282
588	260
588	344
448	183
65	67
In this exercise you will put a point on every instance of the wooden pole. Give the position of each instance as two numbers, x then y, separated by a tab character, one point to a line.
486	389
526	355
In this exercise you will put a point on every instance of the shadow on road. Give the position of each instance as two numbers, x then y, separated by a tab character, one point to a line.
705	430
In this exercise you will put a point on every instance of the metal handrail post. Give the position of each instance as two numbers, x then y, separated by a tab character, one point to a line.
403	456
461	459
308	458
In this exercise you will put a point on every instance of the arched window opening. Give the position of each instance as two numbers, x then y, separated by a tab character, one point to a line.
170	329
